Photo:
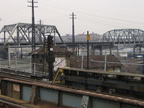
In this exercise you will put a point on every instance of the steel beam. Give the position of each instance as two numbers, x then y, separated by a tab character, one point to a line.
91	94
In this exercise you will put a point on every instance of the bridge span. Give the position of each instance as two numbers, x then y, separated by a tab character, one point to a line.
123	36
75	88
21	34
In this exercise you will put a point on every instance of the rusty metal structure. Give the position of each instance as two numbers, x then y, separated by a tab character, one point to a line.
111	82
33	92
77	85
123	36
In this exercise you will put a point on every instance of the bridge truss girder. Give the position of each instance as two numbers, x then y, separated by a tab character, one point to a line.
123	36
21	33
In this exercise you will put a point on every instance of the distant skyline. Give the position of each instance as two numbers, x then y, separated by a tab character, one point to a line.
98	16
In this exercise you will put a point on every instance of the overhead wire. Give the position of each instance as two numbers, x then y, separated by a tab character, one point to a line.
95	15
57	8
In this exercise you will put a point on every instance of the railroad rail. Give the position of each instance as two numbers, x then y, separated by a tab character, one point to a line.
9	104
20	73
119	89
100	81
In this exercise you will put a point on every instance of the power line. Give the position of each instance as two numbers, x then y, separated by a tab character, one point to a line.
108	18
95	16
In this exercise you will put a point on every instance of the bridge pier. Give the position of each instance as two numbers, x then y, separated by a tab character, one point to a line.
9	56
100	48
110	48
117	51
92	50
134	50
3	52
4	36
35	95
77	50
139	49
21	55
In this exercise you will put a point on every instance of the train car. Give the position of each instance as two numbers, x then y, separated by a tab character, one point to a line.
135	55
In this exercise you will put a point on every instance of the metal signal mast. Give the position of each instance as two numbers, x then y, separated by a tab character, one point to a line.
50	56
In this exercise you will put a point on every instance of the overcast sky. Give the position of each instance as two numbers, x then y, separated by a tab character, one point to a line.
97	16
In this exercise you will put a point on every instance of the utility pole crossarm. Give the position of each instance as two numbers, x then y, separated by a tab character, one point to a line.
32	2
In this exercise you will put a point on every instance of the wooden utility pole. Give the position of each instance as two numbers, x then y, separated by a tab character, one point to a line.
33	32
73	30
33	24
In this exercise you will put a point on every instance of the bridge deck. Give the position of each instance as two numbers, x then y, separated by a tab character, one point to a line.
105	72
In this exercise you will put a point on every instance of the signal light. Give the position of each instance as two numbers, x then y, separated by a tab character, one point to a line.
50	42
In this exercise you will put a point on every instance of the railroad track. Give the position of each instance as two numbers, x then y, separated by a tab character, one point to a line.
28	77
126	84
20	73
9	104
113	83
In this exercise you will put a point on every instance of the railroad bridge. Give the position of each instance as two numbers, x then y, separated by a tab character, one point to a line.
70	87
20	34
73	88
123	36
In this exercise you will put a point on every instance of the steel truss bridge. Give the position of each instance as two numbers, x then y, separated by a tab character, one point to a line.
124	36
21	34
